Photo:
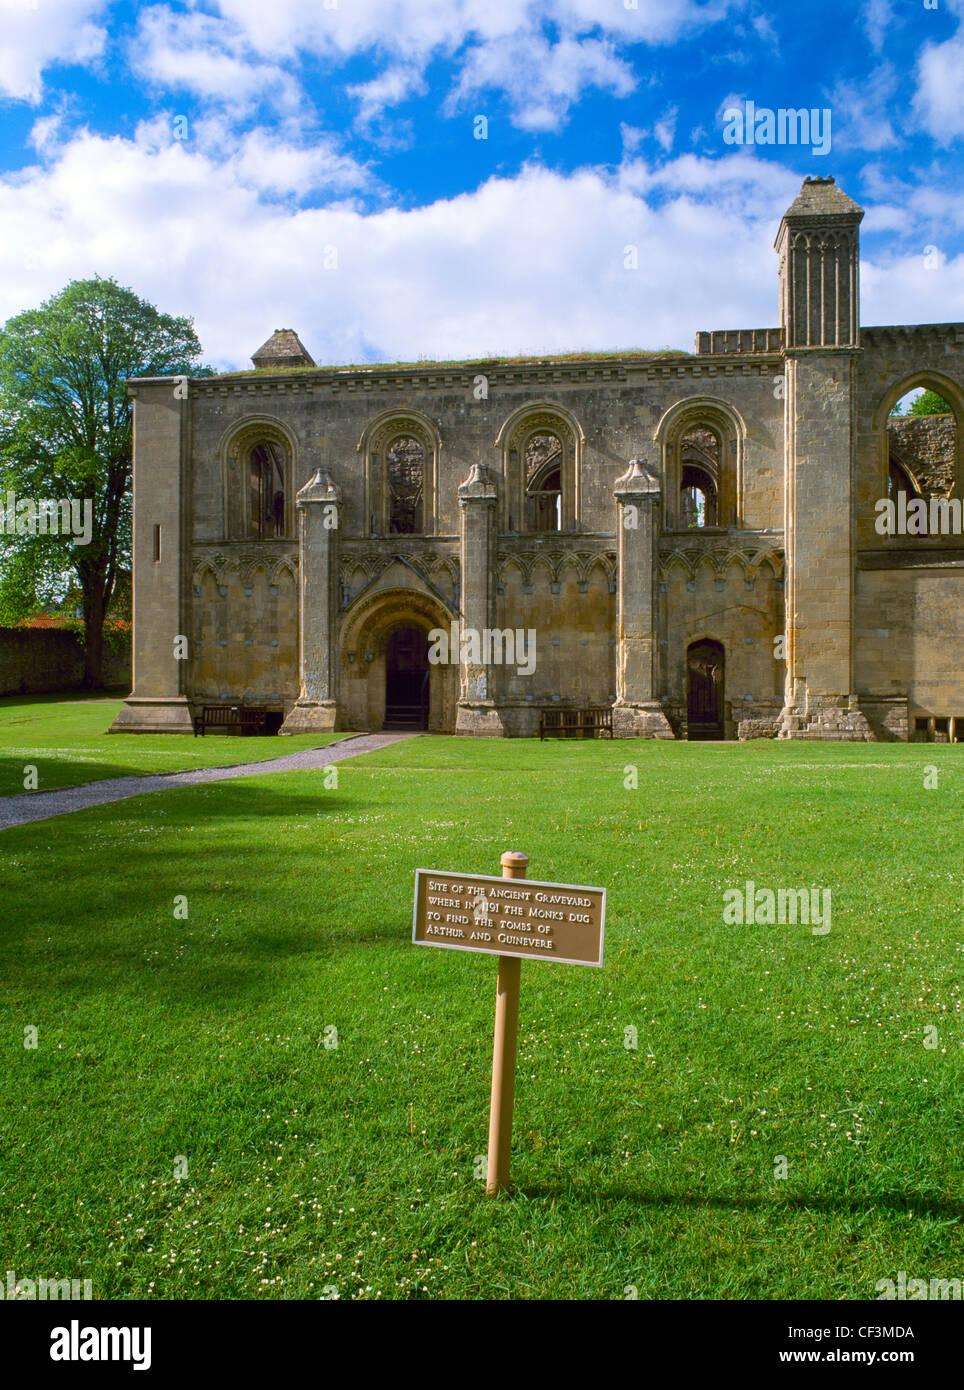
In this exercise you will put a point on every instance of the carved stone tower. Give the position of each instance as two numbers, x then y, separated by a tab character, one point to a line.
818	246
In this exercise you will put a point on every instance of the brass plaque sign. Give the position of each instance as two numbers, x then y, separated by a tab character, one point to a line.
509	917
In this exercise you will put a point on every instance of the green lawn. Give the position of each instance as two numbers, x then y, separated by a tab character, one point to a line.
351	1169
65	738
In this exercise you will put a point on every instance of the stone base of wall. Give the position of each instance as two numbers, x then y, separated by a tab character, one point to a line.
889	717
758	719
757	728
827	719
480	720
641	721
520	721
146	716
310	717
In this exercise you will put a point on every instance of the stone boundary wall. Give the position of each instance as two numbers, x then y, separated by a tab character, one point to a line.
926	445
37	661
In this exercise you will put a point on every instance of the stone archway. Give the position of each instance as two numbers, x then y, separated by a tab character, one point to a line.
369	648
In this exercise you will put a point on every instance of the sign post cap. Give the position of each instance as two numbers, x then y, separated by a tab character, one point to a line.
514	859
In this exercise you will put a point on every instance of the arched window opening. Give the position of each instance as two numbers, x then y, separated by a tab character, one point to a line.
405	460
921	448
543	461
699	469
697	499
266	491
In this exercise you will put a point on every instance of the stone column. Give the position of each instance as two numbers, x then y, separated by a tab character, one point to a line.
478	520
820	700
637	713
319	506
161	544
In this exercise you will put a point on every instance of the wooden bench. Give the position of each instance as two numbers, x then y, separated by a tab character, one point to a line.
592	722
244	717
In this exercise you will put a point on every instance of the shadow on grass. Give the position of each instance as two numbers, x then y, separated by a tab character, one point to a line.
115	928
57	773
65	697
917	1203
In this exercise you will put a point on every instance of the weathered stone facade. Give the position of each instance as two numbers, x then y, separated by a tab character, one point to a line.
690	538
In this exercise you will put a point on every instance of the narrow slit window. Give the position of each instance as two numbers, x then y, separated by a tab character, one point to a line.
157	543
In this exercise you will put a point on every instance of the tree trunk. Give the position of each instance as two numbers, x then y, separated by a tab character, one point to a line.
94	636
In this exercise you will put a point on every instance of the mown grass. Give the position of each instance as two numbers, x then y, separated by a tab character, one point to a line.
65	738
351	1170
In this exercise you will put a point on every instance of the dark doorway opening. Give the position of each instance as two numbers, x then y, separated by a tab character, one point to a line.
406	679
704	701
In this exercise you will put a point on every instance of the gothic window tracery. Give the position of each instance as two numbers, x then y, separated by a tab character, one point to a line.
405	466
401	459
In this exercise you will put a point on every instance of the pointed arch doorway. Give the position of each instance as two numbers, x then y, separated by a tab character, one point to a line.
705	671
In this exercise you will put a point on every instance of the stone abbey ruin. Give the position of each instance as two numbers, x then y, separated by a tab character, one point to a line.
690	537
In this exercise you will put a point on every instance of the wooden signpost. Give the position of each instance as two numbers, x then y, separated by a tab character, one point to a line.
542	921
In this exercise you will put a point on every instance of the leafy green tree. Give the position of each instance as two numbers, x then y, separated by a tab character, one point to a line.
927	403
66	433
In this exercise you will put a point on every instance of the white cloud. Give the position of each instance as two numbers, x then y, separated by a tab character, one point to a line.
939	99
268	163
663	133
903	289
409	27
252	50
764	29
199	54
540	79
391	87
532	263
878	18
861	111
38	35
665	128
45	133
632	137
933	205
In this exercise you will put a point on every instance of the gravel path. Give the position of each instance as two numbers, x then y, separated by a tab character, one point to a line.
19	810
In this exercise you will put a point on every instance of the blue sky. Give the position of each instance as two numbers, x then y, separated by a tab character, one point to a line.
316	164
